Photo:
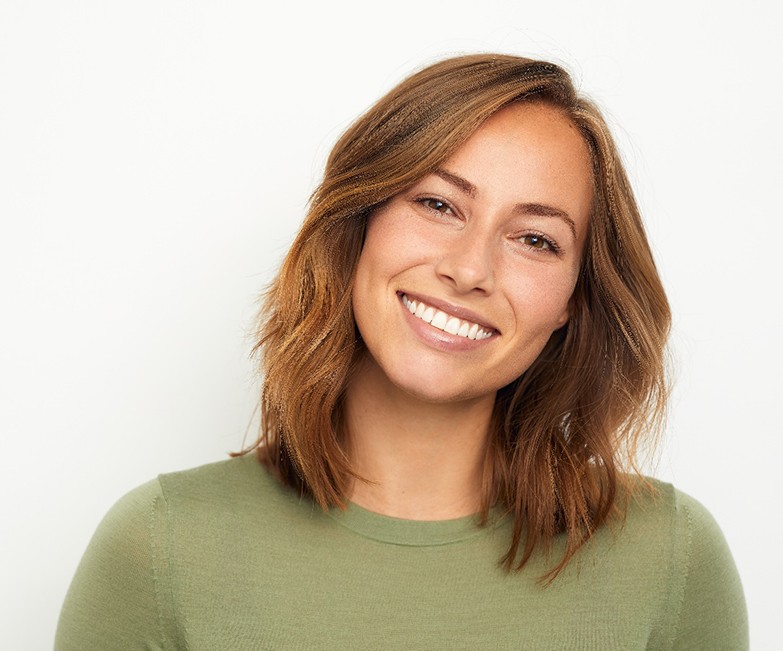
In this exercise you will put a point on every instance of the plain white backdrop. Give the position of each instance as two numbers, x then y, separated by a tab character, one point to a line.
156	159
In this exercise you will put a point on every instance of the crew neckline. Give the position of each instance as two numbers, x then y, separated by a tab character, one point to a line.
414	533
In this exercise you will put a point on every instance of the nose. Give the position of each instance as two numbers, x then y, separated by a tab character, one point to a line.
467	262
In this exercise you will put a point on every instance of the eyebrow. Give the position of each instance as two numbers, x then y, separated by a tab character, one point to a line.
532	209
541	210
461	184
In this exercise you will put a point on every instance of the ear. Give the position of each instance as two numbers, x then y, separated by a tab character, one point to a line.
563	318
568	310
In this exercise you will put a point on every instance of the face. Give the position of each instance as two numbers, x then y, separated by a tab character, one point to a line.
464	276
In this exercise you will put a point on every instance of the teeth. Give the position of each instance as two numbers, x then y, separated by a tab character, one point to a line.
443	321
439	320
453	325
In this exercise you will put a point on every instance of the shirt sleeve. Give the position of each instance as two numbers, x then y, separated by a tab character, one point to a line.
117	597
712	614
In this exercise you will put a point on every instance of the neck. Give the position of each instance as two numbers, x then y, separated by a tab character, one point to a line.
418	460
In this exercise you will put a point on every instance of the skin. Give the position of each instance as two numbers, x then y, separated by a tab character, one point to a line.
495	237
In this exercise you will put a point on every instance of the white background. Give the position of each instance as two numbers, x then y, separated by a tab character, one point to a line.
156	159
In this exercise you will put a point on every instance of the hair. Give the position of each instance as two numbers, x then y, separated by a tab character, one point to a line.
564	435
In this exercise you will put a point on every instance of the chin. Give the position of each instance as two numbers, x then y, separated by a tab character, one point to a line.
443	398
425	388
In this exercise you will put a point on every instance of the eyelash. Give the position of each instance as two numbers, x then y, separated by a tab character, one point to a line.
425	201
550	244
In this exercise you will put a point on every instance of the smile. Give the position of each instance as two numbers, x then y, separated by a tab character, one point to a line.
446	322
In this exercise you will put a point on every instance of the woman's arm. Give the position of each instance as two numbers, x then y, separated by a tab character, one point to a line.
119	596
712	614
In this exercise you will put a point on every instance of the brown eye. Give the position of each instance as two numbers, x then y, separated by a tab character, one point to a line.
536	242
539	242
437	205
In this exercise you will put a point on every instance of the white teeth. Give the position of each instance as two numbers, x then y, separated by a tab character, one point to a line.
439	320
452	326
445	322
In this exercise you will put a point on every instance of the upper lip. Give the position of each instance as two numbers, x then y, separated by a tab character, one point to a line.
450	308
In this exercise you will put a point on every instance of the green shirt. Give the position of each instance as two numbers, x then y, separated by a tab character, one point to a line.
223	557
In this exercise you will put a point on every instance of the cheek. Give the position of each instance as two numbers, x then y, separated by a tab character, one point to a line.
541	302
400	237
395	241
363	296
378	265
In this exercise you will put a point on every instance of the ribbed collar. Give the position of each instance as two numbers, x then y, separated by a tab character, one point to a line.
415	533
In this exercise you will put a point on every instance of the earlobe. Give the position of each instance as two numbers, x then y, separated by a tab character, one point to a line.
564	316
572	307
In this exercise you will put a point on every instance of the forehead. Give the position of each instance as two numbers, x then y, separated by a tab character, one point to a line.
535	132
528	152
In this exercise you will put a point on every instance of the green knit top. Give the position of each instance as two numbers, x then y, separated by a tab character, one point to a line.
223	557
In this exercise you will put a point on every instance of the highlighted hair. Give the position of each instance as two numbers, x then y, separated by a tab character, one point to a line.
566	432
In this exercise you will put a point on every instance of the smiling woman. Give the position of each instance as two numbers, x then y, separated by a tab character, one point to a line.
459	242
461	352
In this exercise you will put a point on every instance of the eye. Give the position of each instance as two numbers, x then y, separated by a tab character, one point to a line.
539	242
436	205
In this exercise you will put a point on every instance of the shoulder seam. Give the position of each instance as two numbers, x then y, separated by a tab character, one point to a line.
169	629
156	563
686	554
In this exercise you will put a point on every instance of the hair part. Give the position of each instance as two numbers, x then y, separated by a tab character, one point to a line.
564	435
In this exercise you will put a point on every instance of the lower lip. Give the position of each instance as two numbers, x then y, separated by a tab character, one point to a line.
441	339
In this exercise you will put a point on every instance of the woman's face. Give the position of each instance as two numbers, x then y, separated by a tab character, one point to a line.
464	276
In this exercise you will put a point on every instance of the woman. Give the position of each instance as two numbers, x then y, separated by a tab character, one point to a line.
461	353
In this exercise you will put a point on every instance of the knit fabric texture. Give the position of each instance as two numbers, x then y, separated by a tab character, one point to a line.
223	557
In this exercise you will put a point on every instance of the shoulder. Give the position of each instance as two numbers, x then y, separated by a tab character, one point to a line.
191	509
221	512
679	540
649	503
128	519
667	514
113	600
240	484
180	534
656	520
679	527
194	503
218	480
223	484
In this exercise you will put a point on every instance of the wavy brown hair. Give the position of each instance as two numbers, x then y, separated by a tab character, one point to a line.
563	434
